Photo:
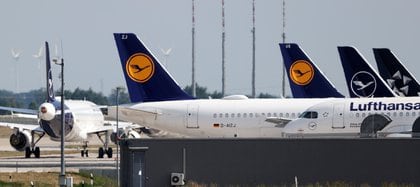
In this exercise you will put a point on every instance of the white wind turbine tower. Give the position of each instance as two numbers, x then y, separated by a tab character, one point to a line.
16	54
166	53
39	57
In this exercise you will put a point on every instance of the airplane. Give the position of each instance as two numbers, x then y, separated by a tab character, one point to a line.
159	102
82	120
358	117
362	79
305	78
401	81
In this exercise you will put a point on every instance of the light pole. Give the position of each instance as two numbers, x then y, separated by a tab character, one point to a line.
62	177
117	138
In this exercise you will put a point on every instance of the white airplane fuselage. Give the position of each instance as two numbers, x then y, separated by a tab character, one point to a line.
216	117
81	117
344	117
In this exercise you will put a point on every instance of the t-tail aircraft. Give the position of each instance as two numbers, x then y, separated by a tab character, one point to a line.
306	79
158	102
82	119
362	79
401	81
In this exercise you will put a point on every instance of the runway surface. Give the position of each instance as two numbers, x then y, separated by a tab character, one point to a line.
51	162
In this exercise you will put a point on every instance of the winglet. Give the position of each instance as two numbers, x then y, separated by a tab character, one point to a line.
146	79
362	79
50	88
395	73
306	79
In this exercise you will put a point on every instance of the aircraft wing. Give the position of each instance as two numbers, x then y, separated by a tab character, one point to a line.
123	124
20	110
20	126
280	122
100	129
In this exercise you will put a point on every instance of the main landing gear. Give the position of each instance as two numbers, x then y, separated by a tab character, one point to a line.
33	149
105	149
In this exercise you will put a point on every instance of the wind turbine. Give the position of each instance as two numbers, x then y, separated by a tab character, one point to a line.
39	57
166	54
16	55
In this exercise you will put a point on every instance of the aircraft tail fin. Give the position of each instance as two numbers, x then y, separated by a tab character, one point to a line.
362	79
306	79
147	80
395	73
50	88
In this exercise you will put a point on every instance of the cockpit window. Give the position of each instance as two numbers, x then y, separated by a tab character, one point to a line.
309	115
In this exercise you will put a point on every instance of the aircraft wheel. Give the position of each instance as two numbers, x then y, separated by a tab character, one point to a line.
37	152
82	153
101	152
109	152
87	153
28	152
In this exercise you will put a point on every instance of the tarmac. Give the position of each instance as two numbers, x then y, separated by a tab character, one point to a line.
52	162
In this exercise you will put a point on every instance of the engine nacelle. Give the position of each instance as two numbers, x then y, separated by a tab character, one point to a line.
47	111
20	140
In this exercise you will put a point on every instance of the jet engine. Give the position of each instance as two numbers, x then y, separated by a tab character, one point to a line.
47	111
20	140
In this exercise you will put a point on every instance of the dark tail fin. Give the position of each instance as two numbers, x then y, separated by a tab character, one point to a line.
306	80
50	88
146	79
362	79
395	73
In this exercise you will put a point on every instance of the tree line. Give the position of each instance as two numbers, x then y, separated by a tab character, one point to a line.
32	99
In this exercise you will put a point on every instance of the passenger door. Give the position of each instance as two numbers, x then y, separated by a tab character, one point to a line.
338	117
192	116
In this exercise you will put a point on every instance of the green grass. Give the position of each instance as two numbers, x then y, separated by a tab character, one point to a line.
51	179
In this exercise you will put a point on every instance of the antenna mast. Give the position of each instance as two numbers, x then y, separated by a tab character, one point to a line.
193	53
253	48
283	35
223	48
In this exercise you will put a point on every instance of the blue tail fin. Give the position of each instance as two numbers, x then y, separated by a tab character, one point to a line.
362	79
50	88
401	81
146	79
306	80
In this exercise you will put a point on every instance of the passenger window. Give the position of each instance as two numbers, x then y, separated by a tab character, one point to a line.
281	115
251	115
363	115
244	115
226	115
357	115
293	115
238	115
214	115
232	115
220	115
287	115
395	114
413	113
401	114
275	114
407	114
268	114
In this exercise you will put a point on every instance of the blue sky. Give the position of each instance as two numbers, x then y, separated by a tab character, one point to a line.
85	29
